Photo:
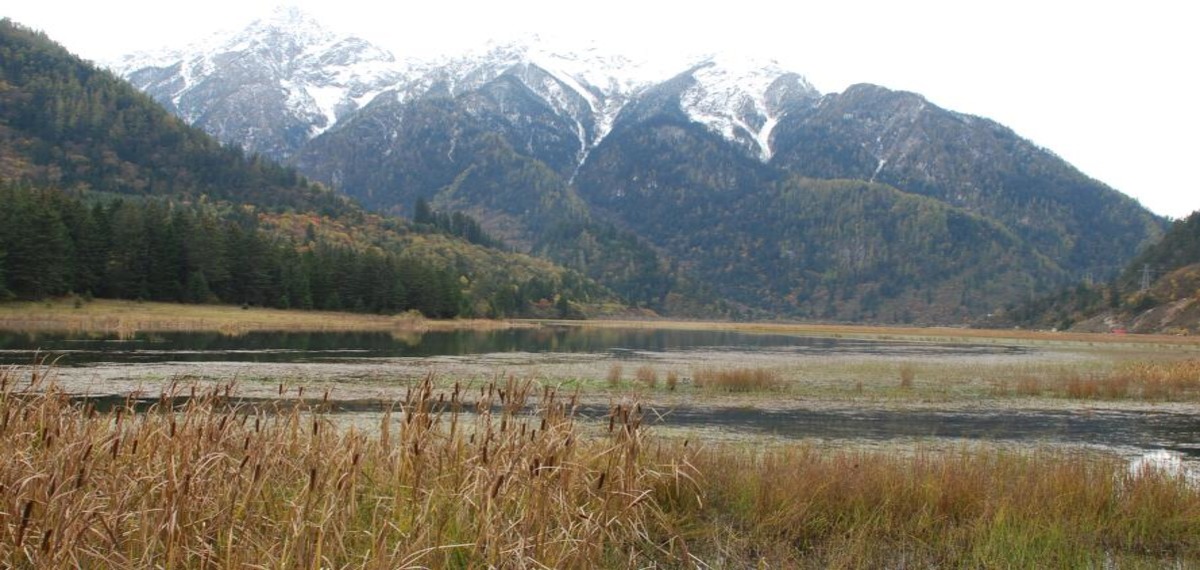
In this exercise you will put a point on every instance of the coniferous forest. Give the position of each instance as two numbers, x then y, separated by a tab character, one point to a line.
167	251
105	194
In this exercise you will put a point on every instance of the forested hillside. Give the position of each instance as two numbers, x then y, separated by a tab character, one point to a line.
69	125
1159	291
106	194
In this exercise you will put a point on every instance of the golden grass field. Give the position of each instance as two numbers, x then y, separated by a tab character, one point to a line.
126	317
483	463
504	476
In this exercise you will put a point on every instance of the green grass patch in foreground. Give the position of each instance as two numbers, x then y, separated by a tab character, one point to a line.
504	475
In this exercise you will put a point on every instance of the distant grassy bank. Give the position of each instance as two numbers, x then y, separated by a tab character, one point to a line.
938	334
124	317
106	315
199	483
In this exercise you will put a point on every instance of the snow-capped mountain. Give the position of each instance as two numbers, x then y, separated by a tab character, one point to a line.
271	87
744	100
735	174
286	79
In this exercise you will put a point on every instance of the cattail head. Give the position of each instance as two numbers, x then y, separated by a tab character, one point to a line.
496	486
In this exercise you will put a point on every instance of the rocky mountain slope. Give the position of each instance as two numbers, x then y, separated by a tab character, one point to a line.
717	185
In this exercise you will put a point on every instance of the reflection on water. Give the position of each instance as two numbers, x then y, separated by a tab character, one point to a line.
76	350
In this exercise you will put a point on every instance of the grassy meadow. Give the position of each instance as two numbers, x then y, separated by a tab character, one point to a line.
478	464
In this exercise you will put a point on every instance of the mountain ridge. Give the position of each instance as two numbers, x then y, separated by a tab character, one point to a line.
106	193
606	81
540	146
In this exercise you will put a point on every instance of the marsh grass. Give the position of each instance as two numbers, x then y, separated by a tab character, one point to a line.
505	475
647	376
737	379
918	334
125	318
196	482
672	380
1108	377
799	506
615	372
1141	380
908	373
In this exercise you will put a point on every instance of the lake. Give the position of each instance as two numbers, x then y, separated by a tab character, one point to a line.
362	364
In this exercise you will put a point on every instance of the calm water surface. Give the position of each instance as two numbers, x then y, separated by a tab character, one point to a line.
82	350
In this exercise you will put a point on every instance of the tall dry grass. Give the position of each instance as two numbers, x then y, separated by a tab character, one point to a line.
197	482
125	318
803	507
1143	380
908	373
647	376
737	379
615	372
506	476
672	380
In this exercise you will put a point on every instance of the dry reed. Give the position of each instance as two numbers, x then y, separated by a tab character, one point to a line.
804	507
737	379
500	478
1151	381
647	376
672	380
614	375
196	480
126	318
908	373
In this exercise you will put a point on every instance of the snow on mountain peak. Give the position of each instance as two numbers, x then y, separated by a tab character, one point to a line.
743	99
288	28
318	75
315	77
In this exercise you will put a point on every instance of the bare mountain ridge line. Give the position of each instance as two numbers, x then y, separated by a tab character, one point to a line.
680	191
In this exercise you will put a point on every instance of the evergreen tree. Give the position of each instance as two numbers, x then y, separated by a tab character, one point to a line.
4	293
197	289
422	213
128	275
37	245
90	234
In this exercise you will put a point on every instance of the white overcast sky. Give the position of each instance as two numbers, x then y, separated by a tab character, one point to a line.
1109	86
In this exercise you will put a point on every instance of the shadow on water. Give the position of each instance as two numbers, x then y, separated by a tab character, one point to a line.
286	347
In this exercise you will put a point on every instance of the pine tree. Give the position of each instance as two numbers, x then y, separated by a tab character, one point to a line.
4	293
422	213
197	289
128	272
90	233
38	246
